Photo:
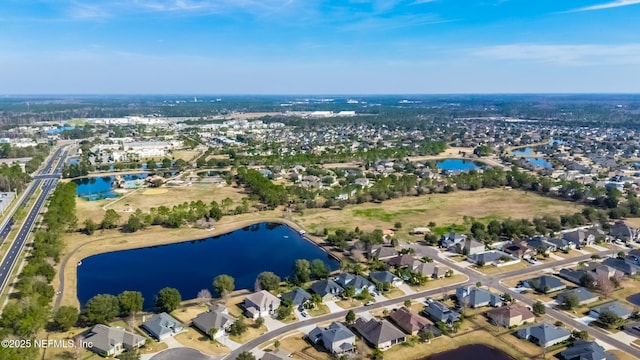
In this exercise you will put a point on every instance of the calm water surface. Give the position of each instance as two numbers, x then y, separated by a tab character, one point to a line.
97	188
191	266
456	165
471	352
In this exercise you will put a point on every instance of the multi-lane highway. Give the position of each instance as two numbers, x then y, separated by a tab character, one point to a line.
47	178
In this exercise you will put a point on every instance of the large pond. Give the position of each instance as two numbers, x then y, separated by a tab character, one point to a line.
191	266
98	188
475	352
457	165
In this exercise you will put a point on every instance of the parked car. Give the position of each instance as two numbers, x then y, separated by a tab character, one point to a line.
369	303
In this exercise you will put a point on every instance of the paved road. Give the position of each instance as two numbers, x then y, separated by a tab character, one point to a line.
52	168
473	277
336	316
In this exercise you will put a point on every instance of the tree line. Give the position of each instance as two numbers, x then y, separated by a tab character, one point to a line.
26	316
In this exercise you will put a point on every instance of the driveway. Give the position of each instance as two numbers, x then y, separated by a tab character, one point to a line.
598	248
224	340
586	320
406	289
272	323
333	307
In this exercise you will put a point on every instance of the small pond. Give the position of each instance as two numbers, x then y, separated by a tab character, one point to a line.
634	299
457	165
543	163
101	187
475	352
191	266
523	152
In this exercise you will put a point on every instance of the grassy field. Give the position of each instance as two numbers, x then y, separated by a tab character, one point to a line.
186	155
144	199
490	269
438	283
443	209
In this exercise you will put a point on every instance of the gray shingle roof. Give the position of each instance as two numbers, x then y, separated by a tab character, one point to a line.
377	332
297	296
546	284
582	294
104	338
325	287
161	325
382	276
334	333
212	319
618	308
585	350
544	333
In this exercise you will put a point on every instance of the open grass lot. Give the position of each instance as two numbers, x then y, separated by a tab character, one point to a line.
394	293
490	269
348	304
295	345
186	313
438	283
443	209
197	340
251	333
628	287
144	199
186	155
321	309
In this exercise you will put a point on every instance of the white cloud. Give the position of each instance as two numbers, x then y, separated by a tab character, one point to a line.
584	54
609	5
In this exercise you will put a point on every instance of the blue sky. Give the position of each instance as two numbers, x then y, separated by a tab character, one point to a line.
318	47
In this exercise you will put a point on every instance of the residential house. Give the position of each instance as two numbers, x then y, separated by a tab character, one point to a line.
510	315
544	335
260	304
585	350
449	241
383	277
492	257
572	275
162	326
622	231
542	245
379	334
519	249
327	289
623	311
429	269
633	257
562	244
579	237
475	297
471	247
216	318
411	323
381	252
357	281
583	295
112	340
402	261
297	296
622	266
275	355
336	338
545	284
438	311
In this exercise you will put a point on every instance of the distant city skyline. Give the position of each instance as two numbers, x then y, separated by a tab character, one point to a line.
319	47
